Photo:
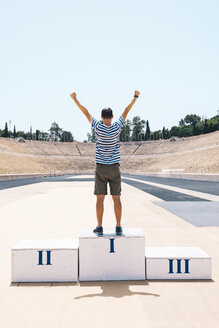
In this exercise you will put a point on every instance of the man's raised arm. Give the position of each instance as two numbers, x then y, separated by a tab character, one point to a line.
125	113
82	108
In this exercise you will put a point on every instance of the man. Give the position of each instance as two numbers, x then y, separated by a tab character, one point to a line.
107	160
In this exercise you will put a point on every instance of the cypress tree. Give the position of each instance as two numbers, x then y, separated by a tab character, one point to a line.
37	134
6	130
14	133
148	132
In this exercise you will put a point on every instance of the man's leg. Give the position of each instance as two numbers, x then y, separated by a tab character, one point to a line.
100	209
117	209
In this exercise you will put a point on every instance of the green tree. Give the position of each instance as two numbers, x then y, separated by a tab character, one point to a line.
44	136
214	123
156	136
137	129
21	134
148	131
31	134
14	133
205	126
66	136
174	131
165	133
55	131
5	134
37	134
91	136
181	122
125	134
185	131
193	120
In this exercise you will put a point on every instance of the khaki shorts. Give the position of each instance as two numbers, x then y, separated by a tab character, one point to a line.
107	173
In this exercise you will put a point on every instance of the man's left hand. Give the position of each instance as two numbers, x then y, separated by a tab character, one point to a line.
73	95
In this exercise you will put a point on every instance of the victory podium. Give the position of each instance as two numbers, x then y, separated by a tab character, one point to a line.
106	257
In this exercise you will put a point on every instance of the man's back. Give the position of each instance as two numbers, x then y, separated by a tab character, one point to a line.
107	141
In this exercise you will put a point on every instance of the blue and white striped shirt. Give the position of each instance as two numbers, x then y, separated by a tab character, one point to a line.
107	141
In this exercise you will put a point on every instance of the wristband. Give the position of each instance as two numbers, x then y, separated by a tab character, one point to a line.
135	96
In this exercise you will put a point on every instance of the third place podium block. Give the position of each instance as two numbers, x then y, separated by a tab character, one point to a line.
112	257
177	263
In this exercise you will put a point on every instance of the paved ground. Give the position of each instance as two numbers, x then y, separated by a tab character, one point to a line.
180	198
6	184
60	208
162	193
202	186
198	213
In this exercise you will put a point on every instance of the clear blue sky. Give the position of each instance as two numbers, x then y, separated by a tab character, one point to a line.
104	50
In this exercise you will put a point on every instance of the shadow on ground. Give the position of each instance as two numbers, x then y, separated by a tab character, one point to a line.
115	289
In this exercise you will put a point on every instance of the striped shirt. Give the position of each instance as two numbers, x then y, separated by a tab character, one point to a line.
107	141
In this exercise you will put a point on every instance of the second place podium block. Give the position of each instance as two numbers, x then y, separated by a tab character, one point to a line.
50	260
112	257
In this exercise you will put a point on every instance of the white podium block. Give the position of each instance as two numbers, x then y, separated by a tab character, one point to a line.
112	257
177	263
51	260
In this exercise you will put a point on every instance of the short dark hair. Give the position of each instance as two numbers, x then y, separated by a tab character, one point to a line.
107	113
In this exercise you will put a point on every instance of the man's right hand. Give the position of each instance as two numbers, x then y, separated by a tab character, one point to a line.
73	95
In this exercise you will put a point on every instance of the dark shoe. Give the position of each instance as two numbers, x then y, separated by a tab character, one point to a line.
119	230
98	231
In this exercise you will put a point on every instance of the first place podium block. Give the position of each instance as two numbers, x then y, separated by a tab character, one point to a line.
112	257
51	260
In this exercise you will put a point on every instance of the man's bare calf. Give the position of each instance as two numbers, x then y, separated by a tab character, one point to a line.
100	209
